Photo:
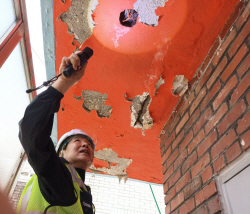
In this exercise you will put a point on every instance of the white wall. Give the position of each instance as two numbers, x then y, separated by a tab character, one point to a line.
112	197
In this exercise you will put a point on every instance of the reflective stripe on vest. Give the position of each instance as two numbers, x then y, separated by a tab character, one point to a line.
75	177
26	197
36	212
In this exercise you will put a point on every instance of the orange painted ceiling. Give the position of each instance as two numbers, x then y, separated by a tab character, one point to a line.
177	46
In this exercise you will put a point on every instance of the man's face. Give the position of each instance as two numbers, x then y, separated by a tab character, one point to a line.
79	153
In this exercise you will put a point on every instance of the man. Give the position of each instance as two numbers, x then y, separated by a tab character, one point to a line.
58	184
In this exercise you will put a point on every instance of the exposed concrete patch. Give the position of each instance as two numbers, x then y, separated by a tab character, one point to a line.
146	10
79	19
117	166
140	117
78	98
94	100
158	84
180	85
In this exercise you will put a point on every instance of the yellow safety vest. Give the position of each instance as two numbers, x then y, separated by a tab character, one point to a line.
33	202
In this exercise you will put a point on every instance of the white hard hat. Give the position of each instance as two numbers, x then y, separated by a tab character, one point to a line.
72	133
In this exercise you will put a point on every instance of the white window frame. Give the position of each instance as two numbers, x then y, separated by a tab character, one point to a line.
228	173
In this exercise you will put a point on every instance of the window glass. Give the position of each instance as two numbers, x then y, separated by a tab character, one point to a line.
7	15
14	100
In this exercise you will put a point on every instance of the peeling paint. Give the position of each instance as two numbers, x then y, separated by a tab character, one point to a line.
146	10
79	19
120	31
140	117
78	98
180	85
94	100
117	166
158	84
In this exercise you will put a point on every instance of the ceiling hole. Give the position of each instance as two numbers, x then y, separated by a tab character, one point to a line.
128	17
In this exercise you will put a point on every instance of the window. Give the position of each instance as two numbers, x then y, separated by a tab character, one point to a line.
234	186
16	76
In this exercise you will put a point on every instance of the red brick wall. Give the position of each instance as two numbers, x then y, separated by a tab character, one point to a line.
210	126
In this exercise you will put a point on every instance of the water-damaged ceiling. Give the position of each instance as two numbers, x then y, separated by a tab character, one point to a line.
127	93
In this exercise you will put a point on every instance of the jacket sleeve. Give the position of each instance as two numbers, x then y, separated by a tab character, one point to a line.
34	133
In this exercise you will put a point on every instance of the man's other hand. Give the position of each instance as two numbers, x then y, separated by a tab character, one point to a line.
64	83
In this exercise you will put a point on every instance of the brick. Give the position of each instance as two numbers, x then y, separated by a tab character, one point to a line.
183	181
189	162
208	99
207	174
201	210
207	143
182	122
192	187
203	119
196	141
192	120
168	173
162	150
187	103
225	91
167	124
180	159
203	79
248	98
178	139
233	16
241	88
224	46
170	140
223	143
243	16
167	209
244	123
172	157
165	188
231	117
175	177
200	165
245	140
217	72
174	123
164	168
244	66
166	155
187	206
177	201
179	104
214	205
186	140
170	194
216	118
233	152
234	63
205	193
239	39
219	164
211	53
197	100
167	140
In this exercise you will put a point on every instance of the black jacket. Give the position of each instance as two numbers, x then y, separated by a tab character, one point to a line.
54	178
